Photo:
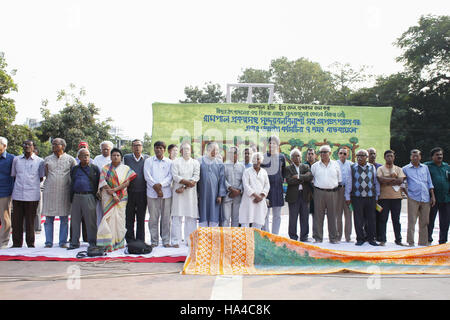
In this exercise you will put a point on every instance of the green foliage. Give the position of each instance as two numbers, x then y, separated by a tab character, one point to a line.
426	46
301	81
211	93
345	78
7	106
75	122
250	75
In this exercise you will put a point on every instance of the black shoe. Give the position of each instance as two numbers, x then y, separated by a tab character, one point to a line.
15	246
373	243
71	247
359	243
30	246
48	245
399	243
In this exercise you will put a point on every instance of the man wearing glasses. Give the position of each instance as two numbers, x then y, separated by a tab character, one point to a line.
327	177
137	193
364	195
346	185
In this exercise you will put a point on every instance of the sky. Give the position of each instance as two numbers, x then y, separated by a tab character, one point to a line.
129	54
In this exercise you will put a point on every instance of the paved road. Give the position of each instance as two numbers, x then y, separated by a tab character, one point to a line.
119	280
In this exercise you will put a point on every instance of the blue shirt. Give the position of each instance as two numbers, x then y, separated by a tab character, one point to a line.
419	182
346	172
81	182
6	181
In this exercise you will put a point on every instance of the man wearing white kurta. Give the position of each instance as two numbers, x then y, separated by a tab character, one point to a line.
100	161
256	184
233	181
185	173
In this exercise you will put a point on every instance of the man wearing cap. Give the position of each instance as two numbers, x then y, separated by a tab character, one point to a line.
81	145
327	177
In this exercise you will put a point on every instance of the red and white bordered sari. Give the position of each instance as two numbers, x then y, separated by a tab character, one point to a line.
111	231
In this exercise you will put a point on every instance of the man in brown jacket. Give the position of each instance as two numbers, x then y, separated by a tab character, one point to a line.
298	195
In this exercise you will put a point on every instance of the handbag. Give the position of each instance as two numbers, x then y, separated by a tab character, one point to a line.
92	251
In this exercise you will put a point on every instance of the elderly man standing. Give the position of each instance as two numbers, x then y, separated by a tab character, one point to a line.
100	161
158	175
6	189
211	186
344	187
84	186
137	193
28	170
185	173
233	182
364	195
275	165
327	177
56	195
256	183
420	197
440	176
298	195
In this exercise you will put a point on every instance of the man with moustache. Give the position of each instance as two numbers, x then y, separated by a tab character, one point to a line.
440	176
28	171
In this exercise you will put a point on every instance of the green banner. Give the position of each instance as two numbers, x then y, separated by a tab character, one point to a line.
301	126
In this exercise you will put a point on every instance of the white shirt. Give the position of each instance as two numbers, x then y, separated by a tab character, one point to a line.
100	161
140	157
300	187
158	171
326	176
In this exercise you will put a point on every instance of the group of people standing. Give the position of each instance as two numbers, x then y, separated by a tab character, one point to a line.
107	197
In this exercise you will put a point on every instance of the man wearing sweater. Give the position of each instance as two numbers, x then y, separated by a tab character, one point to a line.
137	196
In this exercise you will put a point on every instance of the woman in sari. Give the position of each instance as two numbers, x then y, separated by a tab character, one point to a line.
114	180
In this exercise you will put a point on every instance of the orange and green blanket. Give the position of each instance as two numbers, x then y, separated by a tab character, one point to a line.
232	251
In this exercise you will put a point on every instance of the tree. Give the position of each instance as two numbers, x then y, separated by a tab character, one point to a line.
426	47
345	78
250	75
211	93
75	122
301	81
7	106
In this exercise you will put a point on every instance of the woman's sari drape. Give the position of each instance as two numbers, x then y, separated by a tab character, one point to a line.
111	231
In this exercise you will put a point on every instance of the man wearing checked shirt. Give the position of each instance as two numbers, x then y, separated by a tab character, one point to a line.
420	197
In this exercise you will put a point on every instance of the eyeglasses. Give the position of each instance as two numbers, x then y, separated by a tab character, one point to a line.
361	155
323	151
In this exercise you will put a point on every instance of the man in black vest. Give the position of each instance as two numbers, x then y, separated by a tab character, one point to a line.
364	195
298	195
84	185
137	193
